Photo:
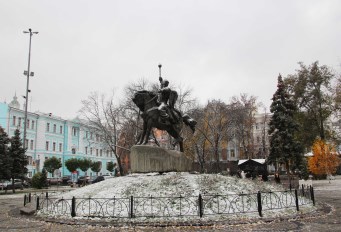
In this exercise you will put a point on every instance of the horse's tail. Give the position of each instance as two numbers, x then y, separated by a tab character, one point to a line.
189	122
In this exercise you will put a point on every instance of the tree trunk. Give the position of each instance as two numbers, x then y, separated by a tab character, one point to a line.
120	165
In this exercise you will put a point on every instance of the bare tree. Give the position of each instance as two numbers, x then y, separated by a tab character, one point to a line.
102	116
243	109
212	130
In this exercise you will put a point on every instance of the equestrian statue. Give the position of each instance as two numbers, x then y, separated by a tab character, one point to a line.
158	111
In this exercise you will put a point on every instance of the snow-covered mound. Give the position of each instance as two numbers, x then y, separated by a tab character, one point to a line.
175	197
171	184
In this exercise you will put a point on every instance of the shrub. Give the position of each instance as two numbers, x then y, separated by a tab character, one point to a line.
39	180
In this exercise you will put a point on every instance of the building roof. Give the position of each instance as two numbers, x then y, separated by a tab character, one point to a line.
261	161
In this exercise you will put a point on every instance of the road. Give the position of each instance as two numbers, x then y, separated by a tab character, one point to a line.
329	220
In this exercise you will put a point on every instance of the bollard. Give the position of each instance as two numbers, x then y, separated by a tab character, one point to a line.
302	190
259	201
201	211
73	207
25	199
296	200
29	198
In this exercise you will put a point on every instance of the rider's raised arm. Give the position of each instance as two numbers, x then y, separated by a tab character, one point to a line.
160	79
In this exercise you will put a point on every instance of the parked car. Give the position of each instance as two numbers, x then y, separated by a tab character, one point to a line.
65	180
98	179
107	176
83	180
6	185
27	182
54	181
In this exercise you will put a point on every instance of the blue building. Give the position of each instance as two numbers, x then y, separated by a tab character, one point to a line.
48	135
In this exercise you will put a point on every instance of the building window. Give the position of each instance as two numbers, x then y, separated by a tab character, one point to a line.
61	130
32	125
97	137
47	127
28	124
60	147
232	153
74	131
73	150
91	135
86	150
29	158
86	134
90	150
96	152
100	152
19	122
54	128
54	146
14	120
31	145
47	145
107	153
26	143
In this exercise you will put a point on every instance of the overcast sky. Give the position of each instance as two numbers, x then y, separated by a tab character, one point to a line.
218	48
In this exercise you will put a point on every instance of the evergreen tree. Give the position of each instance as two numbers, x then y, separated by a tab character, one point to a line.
52	164
283	146
111	166
19	161
72	164
84	164
4	156
96	167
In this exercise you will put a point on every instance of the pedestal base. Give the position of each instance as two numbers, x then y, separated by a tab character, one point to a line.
144	158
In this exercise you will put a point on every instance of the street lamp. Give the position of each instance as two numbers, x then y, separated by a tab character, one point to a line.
28	74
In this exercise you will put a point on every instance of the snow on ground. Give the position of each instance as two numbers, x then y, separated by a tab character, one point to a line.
171	184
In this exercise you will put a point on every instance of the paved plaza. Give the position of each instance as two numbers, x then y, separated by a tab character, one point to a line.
328	217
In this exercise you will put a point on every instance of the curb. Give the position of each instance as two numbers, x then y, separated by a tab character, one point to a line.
322	210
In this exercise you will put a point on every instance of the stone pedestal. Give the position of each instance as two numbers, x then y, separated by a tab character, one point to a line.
144	158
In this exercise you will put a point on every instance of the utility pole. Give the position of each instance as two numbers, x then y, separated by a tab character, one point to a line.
28	74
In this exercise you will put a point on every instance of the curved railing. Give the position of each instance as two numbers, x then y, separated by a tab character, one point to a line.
174	206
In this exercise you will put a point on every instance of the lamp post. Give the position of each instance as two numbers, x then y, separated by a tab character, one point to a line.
28	74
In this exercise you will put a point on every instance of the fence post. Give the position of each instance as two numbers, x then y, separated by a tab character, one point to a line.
25	199
29	197
131	206
303	190
259	200
73	207
37	206
47	200
312	194
200	205
296	200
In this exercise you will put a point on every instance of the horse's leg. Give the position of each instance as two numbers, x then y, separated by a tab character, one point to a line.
178	139
148	129
143	133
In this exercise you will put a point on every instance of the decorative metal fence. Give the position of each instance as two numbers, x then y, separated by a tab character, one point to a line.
178	206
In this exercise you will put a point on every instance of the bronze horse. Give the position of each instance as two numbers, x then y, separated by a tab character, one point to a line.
146	101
